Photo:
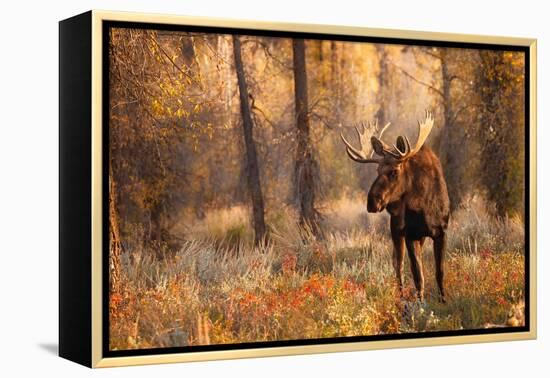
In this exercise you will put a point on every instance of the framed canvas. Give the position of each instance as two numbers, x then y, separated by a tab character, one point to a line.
236	189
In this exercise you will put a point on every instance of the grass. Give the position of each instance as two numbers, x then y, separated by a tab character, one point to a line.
218	289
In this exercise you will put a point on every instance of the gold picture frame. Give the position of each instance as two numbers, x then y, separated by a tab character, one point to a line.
83	276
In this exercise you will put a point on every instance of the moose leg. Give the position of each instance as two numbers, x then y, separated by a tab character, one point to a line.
415	256
439	254
398	257
398	239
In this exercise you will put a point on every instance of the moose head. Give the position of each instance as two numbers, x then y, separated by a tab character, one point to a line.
393	179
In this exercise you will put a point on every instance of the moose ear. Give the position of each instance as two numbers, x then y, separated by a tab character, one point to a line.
400	144
377	145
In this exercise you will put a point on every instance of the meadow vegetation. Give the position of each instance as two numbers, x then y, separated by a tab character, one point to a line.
216	287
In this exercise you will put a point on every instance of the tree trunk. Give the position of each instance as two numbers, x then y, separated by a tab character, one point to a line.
115	245
156	229
188	50
252	169
451	142
383	84
306	168
502	110
336	79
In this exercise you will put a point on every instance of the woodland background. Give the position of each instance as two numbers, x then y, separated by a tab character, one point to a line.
226	162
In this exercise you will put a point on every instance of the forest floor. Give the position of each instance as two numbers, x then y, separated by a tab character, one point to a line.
218	289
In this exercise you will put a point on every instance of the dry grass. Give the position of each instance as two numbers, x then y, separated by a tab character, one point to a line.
218	289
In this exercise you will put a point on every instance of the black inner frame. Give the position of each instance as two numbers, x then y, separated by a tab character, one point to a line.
107	25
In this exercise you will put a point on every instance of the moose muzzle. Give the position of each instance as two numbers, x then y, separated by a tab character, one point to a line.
374	205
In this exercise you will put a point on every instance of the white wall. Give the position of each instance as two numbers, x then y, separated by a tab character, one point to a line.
28	158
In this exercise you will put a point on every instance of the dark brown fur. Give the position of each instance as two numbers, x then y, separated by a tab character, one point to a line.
414	193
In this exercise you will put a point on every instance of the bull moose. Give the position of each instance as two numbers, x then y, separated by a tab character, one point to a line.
411	187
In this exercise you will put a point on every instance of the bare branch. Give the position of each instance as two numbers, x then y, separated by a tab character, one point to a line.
255	109
459	111
322	119
430	53
174	63
122	103
268	52
430	86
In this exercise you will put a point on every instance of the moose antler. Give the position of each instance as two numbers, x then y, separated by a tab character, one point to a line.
424	129
403	149
364	154
400	151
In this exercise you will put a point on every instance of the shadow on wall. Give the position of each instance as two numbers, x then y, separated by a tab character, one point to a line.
52	348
